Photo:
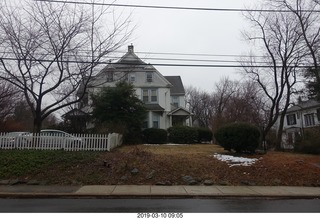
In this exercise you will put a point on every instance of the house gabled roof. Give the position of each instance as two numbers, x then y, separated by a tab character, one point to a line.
177	88
128	60
131	58
304	105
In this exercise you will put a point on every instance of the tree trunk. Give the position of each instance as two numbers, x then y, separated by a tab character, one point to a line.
279	132
37	121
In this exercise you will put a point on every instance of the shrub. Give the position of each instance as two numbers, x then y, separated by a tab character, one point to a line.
240	137
155	136
182	135
310	143
204	135
132	136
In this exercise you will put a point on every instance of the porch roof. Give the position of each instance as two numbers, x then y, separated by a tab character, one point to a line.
154	107
180	109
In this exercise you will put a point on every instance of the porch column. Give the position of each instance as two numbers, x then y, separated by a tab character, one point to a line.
190	121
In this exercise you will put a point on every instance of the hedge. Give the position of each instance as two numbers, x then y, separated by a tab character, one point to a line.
182	135
310	143
155	136
240	137
204	135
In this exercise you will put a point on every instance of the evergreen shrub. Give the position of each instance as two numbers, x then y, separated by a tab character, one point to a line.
240	137
155	136
309	143
182	135
204	135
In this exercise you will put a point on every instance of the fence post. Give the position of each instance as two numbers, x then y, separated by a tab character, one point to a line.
109	142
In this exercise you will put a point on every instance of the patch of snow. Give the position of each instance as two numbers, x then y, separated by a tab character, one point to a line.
235	161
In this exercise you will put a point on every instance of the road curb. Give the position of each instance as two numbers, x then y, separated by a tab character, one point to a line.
150	191
130	196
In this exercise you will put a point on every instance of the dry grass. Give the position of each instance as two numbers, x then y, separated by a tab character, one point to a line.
176	150
170	163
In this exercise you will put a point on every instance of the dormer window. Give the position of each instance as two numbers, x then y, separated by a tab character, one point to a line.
109	76
149	77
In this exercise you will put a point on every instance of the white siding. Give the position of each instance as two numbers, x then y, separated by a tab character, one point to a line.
300	118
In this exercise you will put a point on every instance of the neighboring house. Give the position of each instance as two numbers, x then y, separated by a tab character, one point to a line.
164	96
299	118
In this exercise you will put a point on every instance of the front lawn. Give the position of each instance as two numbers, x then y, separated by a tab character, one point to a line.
158	164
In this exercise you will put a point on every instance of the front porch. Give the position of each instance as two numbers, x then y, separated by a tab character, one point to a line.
180	117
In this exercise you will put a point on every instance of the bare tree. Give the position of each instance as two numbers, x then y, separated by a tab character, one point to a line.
223	92
245	104
279	39
308	19
200	104
8	99
49	50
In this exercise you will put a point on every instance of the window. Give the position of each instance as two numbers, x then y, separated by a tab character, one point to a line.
309	120
145	96
155	120
132	77
154	96
291	119
149	77
175	101
150	95
109	76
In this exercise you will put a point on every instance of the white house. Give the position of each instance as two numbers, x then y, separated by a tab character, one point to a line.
164	96
299	118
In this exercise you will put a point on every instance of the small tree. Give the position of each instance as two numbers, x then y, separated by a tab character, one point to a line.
118	109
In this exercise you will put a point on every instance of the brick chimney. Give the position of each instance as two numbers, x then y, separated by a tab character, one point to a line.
130	49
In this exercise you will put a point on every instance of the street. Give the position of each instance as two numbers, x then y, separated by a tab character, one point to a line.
197	205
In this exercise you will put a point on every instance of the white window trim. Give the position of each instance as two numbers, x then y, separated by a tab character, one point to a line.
309	120
131	76
110	77
149	79
291	121
150	95
155	118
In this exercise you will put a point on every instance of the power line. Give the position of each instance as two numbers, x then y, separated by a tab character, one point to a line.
174	7
155	64
177	53
153	58
197	54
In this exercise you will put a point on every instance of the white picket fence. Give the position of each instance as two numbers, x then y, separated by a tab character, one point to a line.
73	142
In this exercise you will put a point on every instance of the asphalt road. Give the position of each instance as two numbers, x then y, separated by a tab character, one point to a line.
160	205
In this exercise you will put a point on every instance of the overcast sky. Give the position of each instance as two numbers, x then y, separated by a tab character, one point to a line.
190	32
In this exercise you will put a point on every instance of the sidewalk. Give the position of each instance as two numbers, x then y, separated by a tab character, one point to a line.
151	191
